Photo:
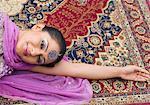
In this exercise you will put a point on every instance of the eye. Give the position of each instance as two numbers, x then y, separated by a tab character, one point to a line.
43	44
40	60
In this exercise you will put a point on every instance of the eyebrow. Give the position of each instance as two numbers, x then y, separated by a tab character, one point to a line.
47	44
44	59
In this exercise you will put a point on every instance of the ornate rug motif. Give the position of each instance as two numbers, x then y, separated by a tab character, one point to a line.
11	7
74	16
102	32
131	46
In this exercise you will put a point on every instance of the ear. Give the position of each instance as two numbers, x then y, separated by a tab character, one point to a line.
38	27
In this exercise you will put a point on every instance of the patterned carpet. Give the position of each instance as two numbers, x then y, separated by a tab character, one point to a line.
102	32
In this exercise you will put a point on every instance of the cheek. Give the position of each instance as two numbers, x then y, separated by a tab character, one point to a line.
30	60
30	37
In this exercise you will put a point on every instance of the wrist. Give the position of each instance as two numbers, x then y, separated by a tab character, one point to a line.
121	72
116	71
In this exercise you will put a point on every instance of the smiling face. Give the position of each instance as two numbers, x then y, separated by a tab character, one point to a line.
34	46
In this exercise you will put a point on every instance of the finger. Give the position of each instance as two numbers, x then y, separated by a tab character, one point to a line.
144	75
140	78
141	70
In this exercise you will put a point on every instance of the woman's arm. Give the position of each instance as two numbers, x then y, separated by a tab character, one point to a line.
88	71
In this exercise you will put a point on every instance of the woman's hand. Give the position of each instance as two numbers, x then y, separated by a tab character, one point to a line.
135	73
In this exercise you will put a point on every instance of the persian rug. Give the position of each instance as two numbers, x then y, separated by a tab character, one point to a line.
100	32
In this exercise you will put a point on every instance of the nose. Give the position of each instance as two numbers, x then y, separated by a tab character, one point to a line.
34	51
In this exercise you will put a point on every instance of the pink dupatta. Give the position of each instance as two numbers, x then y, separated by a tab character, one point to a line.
38	88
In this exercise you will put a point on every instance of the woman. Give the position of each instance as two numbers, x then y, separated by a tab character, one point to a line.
33	57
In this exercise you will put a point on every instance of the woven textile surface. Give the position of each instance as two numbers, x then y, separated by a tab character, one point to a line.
101	32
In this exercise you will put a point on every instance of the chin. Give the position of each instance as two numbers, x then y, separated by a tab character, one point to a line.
24	59
27	61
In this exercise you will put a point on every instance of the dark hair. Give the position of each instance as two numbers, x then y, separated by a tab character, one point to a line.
57	36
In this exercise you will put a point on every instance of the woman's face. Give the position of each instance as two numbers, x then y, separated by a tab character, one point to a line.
34	45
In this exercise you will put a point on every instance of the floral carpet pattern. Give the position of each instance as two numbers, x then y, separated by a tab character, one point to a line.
101	32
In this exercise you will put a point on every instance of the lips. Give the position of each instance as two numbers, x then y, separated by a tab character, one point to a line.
26	52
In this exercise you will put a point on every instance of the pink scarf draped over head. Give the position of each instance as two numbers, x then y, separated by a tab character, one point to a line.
38	88
10	36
